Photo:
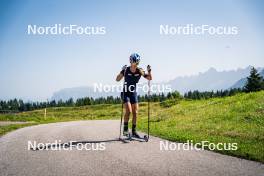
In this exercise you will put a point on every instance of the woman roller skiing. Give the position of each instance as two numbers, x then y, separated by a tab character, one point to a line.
132	74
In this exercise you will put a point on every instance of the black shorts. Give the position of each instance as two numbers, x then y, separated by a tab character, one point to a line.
130	97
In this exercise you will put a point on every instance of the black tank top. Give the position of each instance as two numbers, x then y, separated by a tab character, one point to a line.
131	79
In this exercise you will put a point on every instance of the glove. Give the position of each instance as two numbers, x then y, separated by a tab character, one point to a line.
149	68
124	67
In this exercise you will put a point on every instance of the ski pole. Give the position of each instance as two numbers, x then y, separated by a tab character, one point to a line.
122	102
148	105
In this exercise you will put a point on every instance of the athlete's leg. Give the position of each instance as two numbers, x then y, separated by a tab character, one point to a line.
126	118
134	112
134	104
134	120
128	111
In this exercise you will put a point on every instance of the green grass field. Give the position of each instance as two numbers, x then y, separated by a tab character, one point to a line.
236	119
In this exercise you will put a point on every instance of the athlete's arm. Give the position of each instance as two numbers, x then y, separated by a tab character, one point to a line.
121	74
148	75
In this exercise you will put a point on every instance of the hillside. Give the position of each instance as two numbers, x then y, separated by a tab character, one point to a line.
237	119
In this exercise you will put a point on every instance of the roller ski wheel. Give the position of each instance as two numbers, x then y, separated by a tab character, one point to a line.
146	138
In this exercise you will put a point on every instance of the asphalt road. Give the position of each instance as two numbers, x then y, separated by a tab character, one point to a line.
118	158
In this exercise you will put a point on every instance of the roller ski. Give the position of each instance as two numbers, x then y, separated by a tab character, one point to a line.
137	137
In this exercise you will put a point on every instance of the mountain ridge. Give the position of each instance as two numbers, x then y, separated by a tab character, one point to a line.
210	80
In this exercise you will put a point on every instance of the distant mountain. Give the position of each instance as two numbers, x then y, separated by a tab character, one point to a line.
209	80
242	82
78	92
84	91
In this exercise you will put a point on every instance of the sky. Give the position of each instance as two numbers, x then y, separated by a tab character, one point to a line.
35	66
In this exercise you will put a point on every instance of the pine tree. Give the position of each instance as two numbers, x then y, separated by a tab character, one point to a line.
254	81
